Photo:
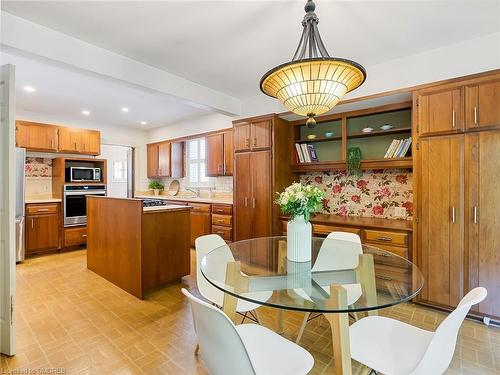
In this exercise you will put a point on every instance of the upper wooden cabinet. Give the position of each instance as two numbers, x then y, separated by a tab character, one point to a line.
44	137
219	154
482	105
36	137
440	111
252	136
165	159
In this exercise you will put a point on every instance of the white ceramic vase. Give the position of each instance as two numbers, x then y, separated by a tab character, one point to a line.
299	239
156	191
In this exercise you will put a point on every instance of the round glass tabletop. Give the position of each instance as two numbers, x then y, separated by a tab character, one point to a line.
342	276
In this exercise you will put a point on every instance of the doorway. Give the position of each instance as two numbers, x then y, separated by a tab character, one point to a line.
120	170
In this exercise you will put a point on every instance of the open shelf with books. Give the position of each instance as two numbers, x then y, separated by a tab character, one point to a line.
382	133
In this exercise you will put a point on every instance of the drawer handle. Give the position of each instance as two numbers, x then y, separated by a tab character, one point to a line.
384	238
84	235
386	278
219	210
42	209
220	221
221	233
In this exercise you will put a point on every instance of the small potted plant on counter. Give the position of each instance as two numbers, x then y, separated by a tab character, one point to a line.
156	186
299	201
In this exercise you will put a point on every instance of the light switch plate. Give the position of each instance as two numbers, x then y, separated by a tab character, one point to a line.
399	211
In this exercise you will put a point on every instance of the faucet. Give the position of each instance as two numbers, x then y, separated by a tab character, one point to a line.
195	191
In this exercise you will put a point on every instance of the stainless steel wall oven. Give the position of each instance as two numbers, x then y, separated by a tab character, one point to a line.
75	202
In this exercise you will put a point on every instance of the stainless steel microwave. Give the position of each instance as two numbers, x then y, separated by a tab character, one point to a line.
79	174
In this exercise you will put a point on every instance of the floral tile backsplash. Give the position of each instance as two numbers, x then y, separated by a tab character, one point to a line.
375	194
38	167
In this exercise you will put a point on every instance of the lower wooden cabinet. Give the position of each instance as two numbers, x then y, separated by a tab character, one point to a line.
201	222
42	227
75	236
222	221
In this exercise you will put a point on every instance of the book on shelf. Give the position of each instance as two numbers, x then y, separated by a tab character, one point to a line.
306	153
398	148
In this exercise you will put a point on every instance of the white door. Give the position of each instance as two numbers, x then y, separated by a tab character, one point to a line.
7	211
119	167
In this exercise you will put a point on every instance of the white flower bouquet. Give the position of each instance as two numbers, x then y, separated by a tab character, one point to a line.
300	200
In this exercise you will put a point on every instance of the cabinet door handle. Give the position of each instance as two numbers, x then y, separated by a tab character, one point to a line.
475	212
384	238
453	214
253	202
32	223
255	142
224	173
453	118
246	202
247	142
475	115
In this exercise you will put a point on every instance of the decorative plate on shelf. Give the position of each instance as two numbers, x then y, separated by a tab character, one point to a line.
311	136
386	127
367	130
328	134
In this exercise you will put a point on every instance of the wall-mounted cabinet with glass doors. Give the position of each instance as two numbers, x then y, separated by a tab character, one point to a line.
373	130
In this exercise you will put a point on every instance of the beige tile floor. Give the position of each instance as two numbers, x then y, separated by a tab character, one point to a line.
71	318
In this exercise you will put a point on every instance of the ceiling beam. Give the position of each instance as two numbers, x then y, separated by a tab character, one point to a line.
36	39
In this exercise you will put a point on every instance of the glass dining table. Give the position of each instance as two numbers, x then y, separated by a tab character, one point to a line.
342	277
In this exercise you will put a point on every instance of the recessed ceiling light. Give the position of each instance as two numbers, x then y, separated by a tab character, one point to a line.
29	89
85	112
124	109
144	123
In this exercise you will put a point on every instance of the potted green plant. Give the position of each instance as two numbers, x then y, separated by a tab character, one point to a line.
156	186
299	201
353	161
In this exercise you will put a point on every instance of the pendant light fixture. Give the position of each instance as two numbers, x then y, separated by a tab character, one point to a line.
313	82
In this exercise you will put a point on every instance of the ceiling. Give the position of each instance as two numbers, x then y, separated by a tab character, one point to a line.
63	91
228	45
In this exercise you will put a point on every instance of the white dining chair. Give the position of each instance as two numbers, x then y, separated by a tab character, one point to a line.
243	349
332	256
206	244
393	347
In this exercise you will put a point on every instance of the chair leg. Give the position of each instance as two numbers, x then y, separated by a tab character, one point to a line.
257	317
244	316
302	327
197	349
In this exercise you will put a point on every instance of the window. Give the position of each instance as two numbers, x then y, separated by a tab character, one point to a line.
196	152
120	171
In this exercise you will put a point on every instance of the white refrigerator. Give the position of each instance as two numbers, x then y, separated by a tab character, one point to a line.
20	210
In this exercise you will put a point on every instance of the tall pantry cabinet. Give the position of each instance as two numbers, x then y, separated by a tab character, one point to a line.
262	161
458	192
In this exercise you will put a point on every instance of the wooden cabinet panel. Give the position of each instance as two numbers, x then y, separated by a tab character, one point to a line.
224	220
224	209
261	201
241	137
215	155
75	236
164	159
441	219
440	112
483	216
260	133
177	160
385	237
482	105
69	140
36	137
152	162
200	224
90	142
327	229
225	232
40	209
42	233
228	153
243	214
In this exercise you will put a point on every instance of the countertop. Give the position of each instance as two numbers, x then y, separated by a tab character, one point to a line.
181	198
358	221
170	207
30	200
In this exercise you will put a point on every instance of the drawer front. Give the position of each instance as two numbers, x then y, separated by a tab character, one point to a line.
176	203
224	209
75	236
200	207
388	257
327	229
40	209
224	220
388	238
225	232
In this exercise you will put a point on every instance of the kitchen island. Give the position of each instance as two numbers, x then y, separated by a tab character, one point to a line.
137	248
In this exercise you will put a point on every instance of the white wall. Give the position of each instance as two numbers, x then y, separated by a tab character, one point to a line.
111	135
455	60
111	153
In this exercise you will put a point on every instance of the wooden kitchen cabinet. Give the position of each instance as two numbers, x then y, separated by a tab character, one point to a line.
201	223
253	136
42	227
36	137
177	160
70	140
440	111
440	219
90	142
165	159
219	154
482	217
152	160
482	105
75	236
